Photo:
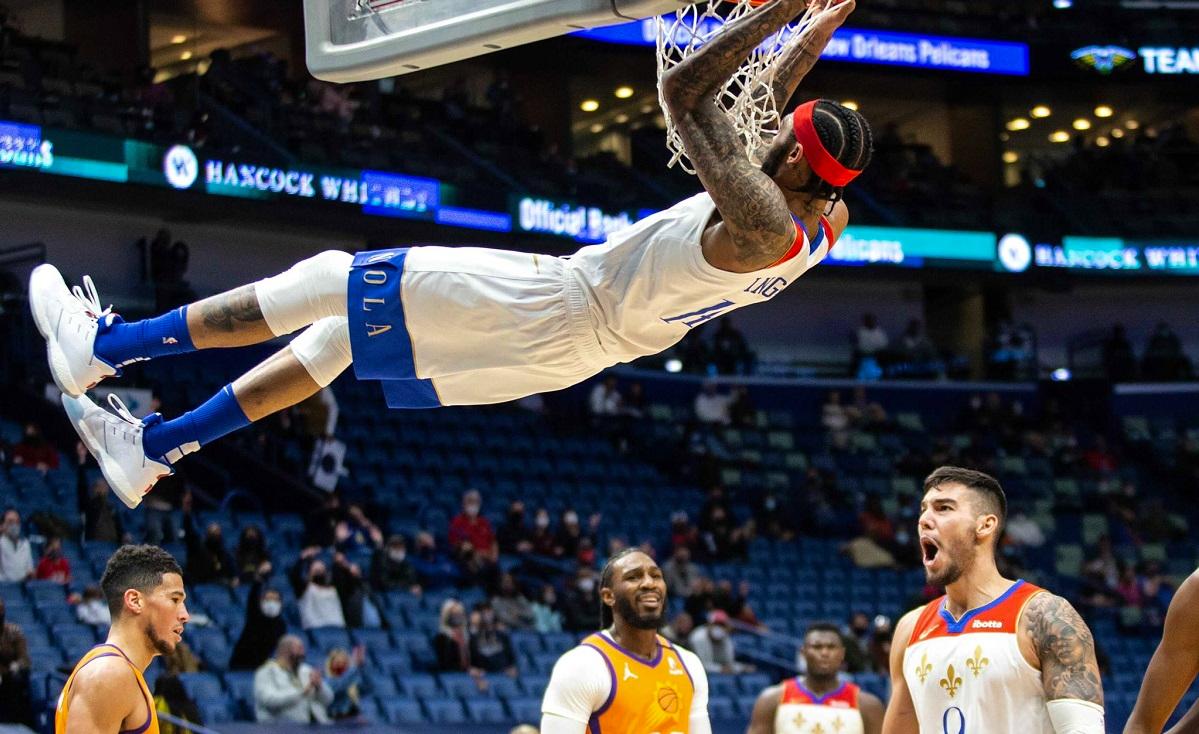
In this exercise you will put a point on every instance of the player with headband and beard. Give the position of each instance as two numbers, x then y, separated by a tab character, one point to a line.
466	325
992	654
143	585
627	677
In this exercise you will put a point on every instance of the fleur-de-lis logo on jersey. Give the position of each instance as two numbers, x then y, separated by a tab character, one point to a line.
838	725
818	729
978	662
951	682
924	668
799	721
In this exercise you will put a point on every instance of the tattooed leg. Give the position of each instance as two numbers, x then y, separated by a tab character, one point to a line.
230	319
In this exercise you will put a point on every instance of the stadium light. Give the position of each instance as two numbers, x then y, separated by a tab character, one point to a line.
1019	123
1082	123
1063	4
589	105
1103	111
623	92
597	128
849	104
1041	111
1102	141
1059	136
1132	124
178	39
1117	132
674	365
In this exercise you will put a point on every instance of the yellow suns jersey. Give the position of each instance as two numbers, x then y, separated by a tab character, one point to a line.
103	651
619	692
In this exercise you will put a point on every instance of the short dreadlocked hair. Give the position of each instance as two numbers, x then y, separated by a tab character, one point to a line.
606	581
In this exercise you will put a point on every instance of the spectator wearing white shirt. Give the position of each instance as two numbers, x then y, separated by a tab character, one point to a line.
1023	530
320	606
289	690
711	407
871	337
93	609
713	645
605	398
16	557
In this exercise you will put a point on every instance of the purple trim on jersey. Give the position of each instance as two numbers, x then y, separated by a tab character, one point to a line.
818	700
149	707
956	626
593	725
652	663
683	663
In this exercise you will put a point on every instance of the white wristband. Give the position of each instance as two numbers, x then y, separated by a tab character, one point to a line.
1075	716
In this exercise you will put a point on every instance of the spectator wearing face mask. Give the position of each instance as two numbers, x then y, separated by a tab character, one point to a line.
16	556
390	568
512	609
289	690
14	672
53	565
713	644
546	616
471	527
251	553
581	602
513	533
433	568
320	605
343	672
490	648
571	534
452	641
93	609
207	559
542	537
264	624
35	451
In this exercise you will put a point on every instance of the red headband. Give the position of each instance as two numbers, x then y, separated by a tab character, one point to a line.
823	164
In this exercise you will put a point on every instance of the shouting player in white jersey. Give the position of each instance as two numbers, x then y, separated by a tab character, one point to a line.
461	326
818	701
993	655
1172	669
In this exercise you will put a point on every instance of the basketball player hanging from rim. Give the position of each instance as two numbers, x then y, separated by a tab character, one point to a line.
461	326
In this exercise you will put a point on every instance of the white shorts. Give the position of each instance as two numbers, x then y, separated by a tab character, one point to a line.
468	325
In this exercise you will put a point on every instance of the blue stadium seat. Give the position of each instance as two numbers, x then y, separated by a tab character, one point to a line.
543	662
721	708
441	711
745	704
525	710
216	710
461	685
534	684
504	687
201	686
485	711
372	639
393	662
240	684
382	685
327	638
753	682
724	686
418	685
401	711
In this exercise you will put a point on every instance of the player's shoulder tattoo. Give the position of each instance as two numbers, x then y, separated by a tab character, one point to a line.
1065	648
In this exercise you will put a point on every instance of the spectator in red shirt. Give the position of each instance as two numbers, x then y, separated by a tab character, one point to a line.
53	566
34	450
471	527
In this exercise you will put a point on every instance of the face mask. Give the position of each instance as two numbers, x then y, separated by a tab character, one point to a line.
321	579
13	531
571	518
457	619
543	522
586	584
271	608
397	555
717	633
472	510
339	668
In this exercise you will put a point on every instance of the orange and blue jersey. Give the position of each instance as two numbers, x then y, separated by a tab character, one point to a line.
106	650
647	695
800	711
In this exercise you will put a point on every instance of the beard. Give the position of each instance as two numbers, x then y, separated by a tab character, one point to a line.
625	610
164	647
956	561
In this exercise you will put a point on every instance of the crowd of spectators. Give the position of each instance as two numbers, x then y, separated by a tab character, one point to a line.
1163	359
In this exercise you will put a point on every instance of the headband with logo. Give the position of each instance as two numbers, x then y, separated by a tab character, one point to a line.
822	162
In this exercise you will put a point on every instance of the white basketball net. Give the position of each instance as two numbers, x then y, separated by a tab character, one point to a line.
747	97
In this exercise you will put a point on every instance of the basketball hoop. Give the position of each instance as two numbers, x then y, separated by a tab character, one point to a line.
747	97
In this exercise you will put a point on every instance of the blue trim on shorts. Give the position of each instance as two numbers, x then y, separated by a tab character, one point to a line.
379	337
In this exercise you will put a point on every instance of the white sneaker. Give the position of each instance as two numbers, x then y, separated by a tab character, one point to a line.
116	442
69	323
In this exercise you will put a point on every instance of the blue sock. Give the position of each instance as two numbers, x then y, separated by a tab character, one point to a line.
119	343
170	440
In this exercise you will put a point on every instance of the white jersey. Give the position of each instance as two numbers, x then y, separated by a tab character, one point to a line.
469	325
968	675
801	711
650	283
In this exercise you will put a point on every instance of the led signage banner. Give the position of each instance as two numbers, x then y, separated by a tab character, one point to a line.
890	48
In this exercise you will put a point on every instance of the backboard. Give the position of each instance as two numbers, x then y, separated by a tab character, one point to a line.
356	40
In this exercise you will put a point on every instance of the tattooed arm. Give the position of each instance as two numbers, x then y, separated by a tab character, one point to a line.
756	227
1172	669
804	51
1054	638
